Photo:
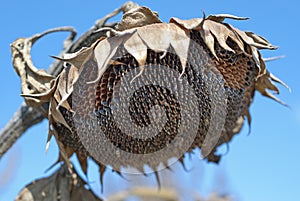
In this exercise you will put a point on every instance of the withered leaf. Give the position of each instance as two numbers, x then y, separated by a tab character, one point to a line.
77	58
34	81
264	83
135	46
56	114
105	50
68	77
157	37
138	17
61	185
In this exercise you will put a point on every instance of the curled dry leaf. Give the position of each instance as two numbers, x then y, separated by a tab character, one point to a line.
264	82
138	17
34	81
39	87
61	185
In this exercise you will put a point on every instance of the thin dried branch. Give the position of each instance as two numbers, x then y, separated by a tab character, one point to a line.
25	117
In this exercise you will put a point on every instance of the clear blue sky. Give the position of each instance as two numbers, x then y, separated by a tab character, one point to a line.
262	166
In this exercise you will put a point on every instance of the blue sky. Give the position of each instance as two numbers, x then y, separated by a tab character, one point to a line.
262	166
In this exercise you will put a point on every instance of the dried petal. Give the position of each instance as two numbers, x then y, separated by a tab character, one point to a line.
191	24
222	17
138	17
106	49
136	47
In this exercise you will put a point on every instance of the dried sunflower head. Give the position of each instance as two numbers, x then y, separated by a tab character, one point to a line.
149	91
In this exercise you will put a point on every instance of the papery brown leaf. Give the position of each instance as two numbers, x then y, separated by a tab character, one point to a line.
56	114
138	17
34	81
264	83
276	79
59	186
65	85
221	33
77	58
136	47
258	39
42	97
103	51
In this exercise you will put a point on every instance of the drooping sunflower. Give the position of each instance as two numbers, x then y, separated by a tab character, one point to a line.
199	75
